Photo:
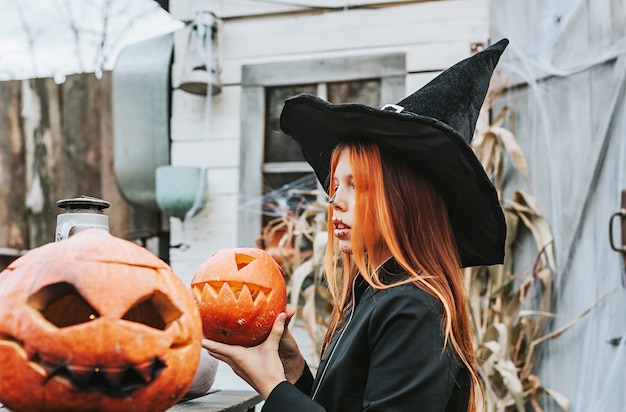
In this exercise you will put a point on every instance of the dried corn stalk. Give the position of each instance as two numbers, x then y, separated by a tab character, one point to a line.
509	311
303	264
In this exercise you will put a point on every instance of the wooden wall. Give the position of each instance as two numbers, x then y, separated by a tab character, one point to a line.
570	119
55	143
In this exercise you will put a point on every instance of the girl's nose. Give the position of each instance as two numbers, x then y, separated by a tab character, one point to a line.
336	202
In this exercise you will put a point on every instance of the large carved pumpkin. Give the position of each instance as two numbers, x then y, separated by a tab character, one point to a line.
95	322
239	292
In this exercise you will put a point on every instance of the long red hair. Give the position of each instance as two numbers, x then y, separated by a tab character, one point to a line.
399	212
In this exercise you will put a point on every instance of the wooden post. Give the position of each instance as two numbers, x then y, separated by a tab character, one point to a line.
41	135
13	224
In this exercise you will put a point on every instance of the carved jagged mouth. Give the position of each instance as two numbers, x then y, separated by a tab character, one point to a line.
240	291
114	381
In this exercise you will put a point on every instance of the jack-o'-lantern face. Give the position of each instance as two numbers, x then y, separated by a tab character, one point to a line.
95	322
239	292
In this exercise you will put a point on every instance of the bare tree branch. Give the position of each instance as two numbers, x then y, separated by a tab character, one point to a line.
149	9
29	33
65	10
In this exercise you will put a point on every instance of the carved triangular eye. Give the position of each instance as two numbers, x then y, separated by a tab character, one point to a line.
62	305
243	260
156	311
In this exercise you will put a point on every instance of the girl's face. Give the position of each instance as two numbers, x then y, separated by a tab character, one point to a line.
342	203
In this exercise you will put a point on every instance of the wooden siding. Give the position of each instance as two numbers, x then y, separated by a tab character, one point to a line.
234	9
570	119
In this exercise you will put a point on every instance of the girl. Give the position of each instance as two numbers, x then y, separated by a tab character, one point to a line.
410	205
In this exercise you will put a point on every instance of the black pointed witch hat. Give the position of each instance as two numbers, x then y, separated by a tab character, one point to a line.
431	130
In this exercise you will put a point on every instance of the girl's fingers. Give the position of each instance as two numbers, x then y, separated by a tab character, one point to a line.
217	349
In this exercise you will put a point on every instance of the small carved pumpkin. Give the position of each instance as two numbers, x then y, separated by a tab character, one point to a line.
95	322
239	292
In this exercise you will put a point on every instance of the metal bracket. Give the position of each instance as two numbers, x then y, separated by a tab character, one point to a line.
621	249
392	107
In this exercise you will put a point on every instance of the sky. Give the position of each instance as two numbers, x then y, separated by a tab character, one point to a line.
55	38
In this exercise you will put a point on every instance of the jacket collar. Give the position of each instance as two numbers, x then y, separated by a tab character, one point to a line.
389	272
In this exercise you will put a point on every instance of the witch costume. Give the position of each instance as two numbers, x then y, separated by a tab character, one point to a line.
389	354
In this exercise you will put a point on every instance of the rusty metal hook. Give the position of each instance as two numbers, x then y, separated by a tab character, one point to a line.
621	249
622	214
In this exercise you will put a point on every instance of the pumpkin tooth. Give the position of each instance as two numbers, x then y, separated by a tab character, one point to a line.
145	371
51	364
245	298
31	353
115	376
227	293
150	370
197	292
81	375
51	368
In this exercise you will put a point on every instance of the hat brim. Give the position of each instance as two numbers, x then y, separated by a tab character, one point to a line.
432	148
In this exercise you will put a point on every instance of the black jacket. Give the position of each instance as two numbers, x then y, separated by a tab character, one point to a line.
388	357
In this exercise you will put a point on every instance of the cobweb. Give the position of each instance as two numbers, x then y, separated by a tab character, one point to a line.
293	196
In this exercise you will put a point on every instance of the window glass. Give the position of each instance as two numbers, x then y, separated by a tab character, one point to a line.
366	92
278	146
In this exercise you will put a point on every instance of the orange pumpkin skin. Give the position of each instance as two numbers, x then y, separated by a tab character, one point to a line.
95	323
240	292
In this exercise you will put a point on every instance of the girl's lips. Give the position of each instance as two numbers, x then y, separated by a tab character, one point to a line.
341	229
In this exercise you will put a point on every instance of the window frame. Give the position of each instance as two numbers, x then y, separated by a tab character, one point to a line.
390	68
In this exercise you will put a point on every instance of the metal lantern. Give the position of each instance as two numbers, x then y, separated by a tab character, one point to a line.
201	70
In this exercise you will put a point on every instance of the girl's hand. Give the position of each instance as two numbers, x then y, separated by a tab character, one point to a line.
290	356
260	366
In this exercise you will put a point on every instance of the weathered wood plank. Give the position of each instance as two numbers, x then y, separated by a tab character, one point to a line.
81	136
221	401
419	57
231	9
191	122
357	30
42	136
613	85
216	153
13	223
